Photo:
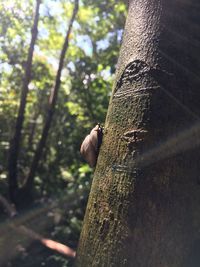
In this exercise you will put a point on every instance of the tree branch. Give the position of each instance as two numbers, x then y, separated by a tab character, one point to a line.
52	102
15	141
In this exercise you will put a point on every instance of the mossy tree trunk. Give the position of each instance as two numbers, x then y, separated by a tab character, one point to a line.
144	205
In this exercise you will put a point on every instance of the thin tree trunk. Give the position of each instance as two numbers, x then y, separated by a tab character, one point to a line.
15	141
52	103
143	208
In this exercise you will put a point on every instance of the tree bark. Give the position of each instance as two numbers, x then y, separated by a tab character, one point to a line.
143	208
51	109
15	141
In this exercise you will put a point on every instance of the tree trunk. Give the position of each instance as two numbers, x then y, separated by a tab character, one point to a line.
143	209
51	109
15	141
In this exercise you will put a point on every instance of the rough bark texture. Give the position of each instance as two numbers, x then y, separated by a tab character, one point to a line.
52	103
143	209
15	141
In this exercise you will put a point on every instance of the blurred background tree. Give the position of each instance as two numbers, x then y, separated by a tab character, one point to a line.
62	177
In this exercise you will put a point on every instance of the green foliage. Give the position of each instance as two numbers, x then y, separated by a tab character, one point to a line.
83	98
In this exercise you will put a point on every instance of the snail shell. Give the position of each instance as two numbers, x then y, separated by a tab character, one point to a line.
91	144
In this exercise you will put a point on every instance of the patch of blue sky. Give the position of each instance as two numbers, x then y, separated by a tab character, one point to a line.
43	32
71	66
16	40
85	43
102	44
62	28
76	25
13	6
106	74
96	19
5	67
51	8
43	10
119	35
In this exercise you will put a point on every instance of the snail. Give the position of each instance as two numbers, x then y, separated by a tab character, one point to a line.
91	145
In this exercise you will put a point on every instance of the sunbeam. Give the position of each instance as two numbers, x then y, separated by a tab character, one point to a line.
182	141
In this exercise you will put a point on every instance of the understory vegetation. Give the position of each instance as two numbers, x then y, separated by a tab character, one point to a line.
54	206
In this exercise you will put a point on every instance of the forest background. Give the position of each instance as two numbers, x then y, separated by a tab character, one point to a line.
62	179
